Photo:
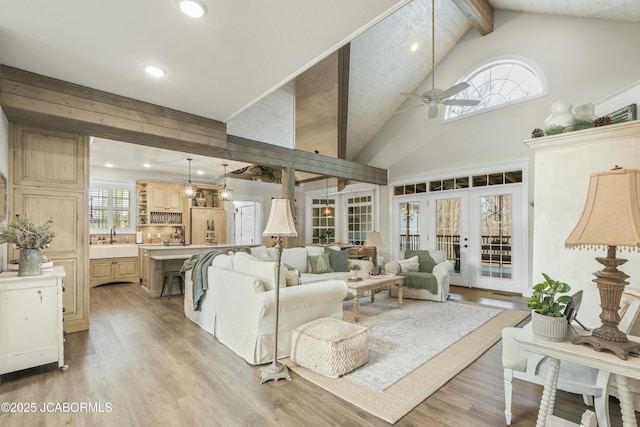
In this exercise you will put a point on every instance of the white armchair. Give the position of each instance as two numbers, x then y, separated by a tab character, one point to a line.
591	383
440	271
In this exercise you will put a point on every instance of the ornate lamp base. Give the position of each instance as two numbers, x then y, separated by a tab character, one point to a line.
275	371
620	349
611	283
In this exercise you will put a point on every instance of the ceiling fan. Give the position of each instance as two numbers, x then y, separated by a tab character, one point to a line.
434	97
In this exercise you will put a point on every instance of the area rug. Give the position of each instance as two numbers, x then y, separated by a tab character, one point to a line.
390	385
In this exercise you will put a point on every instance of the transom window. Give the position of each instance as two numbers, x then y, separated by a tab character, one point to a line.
498	84
111	206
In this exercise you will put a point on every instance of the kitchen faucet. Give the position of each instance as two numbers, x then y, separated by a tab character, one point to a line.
112	233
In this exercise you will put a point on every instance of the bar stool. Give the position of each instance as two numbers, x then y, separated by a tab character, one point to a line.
169	276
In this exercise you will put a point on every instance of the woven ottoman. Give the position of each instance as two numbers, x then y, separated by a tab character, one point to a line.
329	346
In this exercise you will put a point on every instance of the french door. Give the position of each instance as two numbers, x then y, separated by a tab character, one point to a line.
450	231
481	231
496	249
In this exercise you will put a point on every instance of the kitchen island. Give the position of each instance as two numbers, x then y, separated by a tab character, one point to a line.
156	259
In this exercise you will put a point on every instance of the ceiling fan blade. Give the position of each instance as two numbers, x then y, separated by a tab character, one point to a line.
433	111
408	109
412	95
462	102
453	90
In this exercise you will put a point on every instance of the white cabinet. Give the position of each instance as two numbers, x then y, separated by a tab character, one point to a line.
31	320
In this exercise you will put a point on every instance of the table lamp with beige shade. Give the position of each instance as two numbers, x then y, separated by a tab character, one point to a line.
374	240
611	219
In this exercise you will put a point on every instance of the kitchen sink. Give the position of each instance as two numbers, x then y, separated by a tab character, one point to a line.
113	251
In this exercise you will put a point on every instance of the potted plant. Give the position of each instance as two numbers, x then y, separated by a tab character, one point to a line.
547	319
30	239
354	267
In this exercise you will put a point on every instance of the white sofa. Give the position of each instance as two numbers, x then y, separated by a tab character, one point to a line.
238	308
298	260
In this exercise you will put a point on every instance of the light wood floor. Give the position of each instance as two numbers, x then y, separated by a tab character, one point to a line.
146	364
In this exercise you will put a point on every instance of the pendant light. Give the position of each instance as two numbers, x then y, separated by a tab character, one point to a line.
327	211
226	193
189	189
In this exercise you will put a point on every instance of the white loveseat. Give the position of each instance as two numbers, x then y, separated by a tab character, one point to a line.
238	308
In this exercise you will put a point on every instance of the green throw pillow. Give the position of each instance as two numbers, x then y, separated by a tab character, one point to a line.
339	260
426	262
320	264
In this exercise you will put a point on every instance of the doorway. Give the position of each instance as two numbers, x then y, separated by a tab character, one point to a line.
247	220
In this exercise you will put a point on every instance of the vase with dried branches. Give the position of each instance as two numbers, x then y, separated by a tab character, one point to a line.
30	238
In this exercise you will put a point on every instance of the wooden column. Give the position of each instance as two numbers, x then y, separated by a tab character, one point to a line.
289	192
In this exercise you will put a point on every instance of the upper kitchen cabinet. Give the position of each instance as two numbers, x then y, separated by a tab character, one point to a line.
164	197
160	203
46	158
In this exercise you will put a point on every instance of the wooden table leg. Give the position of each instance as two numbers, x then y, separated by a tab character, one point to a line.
356	307
626	402
400	294
548	395
373	295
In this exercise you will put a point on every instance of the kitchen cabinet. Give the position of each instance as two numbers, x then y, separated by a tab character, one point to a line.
160	203
164	197
208	226
48	178
111	270
31	320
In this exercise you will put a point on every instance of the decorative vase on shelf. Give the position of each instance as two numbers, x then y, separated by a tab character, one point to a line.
561	114
30	262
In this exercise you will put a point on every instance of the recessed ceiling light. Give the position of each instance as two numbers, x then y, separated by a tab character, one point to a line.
200	172
108	165
155	71
146	165
414	46
192	8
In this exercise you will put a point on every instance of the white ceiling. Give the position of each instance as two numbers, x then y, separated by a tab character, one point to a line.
243	50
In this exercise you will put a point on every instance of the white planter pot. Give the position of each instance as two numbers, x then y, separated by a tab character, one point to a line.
549	328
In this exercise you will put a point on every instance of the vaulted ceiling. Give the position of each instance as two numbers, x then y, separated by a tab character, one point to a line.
242	52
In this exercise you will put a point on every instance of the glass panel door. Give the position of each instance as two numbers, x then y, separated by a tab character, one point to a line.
409	231
451	234
496	232
496	223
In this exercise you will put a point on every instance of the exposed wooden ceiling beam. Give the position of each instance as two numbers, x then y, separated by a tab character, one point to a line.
344	64
255	152
49	103
480	12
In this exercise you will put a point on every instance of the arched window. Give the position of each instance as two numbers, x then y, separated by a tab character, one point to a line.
499	83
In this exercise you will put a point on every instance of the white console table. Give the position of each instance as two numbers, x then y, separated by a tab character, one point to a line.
587	356
31	320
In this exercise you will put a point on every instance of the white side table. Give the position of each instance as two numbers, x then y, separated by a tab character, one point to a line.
584	355
31	320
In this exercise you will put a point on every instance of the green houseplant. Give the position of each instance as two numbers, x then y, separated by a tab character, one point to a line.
548	321
30	238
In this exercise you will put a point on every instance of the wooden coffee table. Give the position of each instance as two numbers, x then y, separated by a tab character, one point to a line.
373	284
